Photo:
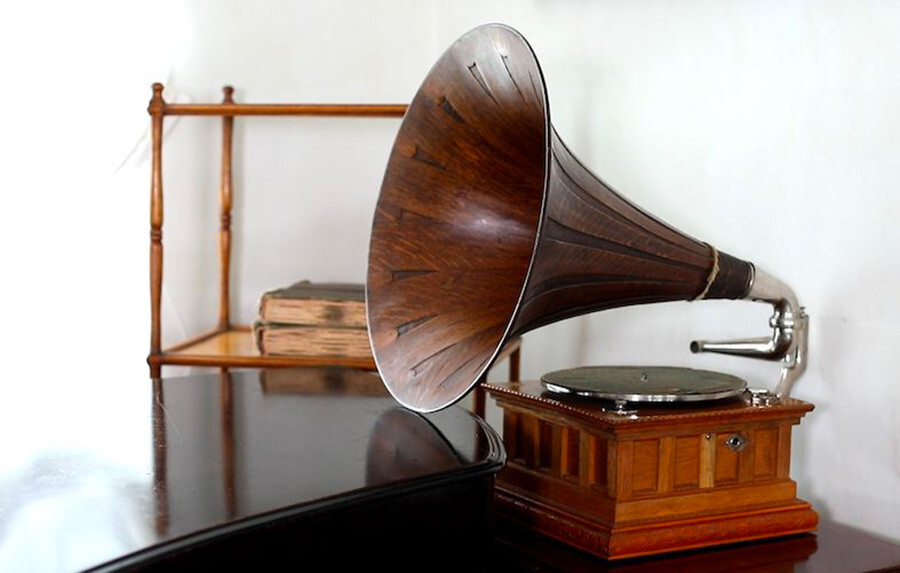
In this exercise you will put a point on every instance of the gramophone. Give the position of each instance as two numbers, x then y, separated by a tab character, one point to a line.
487	227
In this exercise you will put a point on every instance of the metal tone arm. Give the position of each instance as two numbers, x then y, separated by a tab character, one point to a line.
789	332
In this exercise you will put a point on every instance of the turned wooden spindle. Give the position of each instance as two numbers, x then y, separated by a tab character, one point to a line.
515	359
156	109
225	202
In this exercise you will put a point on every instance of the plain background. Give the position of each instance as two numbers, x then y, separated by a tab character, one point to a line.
771	129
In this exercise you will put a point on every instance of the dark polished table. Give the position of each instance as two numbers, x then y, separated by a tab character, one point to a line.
833	548
250	468
290	468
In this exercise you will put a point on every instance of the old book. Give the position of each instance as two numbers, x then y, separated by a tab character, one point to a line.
315	304
322	381
293	340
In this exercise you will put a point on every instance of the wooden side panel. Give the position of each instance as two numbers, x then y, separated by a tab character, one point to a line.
612	464
646	466
783	468
528	440
624	469
687	462
666	480
511	434
557	451
594	458
746	458
586	454
707	460
572	441
545	447
566	452
726	463
765	453
601	459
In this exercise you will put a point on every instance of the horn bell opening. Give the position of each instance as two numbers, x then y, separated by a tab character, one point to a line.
457	219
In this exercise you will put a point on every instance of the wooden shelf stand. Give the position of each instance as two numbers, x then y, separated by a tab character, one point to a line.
228	344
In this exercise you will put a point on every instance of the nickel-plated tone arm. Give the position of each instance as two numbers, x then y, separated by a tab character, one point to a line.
789	332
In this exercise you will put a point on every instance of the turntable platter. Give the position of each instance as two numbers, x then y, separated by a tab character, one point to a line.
644	384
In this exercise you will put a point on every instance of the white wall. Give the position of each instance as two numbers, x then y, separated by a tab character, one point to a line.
767	128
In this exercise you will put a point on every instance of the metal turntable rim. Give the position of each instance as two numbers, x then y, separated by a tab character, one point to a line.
644	384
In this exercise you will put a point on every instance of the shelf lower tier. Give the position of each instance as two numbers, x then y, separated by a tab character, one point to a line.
234	347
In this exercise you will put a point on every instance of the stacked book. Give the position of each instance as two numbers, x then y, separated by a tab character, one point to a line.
314	320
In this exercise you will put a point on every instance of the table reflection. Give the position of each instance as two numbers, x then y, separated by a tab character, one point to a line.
403	441
220	450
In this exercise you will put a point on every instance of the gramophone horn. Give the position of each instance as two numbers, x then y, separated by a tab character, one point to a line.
487	226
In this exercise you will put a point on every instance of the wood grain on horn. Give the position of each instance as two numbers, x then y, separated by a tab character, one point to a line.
487	226
598	251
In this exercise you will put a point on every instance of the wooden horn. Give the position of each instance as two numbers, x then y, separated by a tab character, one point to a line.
487	226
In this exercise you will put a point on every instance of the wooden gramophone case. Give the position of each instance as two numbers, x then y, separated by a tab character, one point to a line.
649	480
487	226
